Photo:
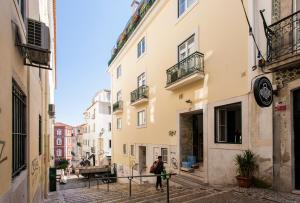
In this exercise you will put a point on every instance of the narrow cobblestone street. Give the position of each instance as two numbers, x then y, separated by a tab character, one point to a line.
146	193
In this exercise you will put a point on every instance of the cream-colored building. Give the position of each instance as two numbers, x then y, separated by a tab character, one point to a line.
26	98
182	88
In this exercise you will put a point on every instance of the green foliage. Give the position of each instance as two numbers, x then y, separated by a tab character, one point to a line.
246	163
61	164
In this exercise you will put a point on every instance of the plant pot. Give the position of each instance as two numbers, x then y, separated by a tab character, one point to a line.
244	182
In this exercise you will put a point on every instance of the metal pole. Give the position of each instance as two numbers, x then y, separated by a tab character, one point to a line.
108	184
168	194
129	186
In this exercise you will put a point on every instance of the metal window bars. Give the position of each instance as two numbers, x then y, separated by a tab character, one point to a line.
19	123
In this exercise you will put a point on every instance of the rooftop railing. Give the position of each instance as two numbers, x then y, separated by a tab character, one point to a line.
192	64
134	21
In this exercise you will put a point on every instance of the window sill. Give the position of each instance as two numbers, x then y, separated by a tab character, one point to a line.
141	126
140	57
186	12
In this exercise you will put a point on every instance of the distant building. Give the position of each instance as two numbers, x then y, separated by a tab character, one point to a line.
97	138
63	134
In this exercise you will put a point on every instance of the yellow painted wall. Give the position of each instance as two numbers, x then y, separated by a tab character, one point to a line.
222	35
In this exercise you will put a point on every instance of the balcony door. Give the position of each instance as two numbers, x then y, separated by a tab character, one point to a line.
186	48
141	80
296	25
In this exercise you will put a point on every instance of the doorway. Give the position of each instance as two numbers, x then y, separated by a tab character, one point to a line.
142	159
191	141
296	98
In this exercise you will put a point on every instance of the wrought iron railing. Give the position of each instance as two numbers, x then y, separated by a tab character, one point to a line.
117	106
283	37
139	93
19	135
132	24
192	64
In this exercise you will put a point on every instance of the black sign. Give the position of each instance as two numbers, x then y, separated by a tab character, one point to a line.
263	92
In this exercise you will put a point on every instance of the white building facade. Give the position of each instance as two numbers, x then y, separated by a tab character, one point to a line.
97	138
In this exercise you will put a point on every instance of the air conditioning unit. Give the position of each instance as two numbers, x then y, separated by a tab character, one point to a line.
51	110
38	40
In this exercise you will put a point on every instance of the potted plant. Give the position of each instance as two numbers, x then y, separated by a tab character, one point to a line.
246	165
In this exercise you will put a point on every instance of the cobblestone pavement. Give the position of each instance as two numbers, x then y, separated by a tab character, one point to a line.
147	193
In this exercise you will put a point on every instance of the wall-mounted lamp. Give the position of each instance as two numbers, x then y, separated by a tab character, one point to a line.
189	101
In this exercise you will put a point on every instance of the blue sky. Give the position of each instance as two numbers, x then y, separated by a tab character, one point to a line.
86	33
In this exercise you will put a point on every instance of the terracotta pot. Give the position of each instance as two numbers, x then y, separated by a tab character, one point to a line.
244	181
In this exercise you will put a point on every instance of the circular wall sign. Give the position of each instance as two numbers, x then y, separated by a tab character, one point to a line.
263	92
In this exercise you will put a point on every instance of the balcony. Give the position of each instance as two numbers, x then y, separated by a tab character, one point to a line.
283	42
186	71
140	95
118	107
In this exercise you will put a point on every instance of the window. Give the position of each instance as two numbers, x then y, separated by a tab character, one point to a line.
58	152
141	80
19	136
69	152
186	48
132	150
58	132
124	149
183	5
22	7
109	126
109	110
40	134
69	141
164	155
119	123
119	71
141	118
141	48
109	144
58	141
119	95
228	124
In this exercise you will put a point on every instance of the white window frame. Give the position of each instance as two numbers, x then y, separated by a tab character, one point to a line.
189	48
119	71
163	155
141	47
119	96
58	132
119	123
57	141
141	80
58	152
144	118
187	6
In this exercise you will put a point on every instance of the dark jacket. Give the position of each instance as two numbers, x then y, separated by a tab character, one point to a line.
159	167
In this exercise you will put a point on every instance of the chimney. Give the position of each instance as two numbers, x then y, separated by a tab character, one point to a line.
134	5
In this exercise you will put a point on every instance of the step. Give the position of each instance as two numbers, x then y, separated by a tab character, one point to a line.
192	195
172	195
224	196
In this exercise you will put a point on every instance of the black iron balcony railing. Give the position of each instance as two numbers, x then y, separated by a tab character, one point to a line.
283	37
139	93
194	63
132	24
117	106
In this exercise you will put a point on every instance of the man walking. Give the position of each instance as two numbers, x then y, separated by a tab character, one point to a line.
158	169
